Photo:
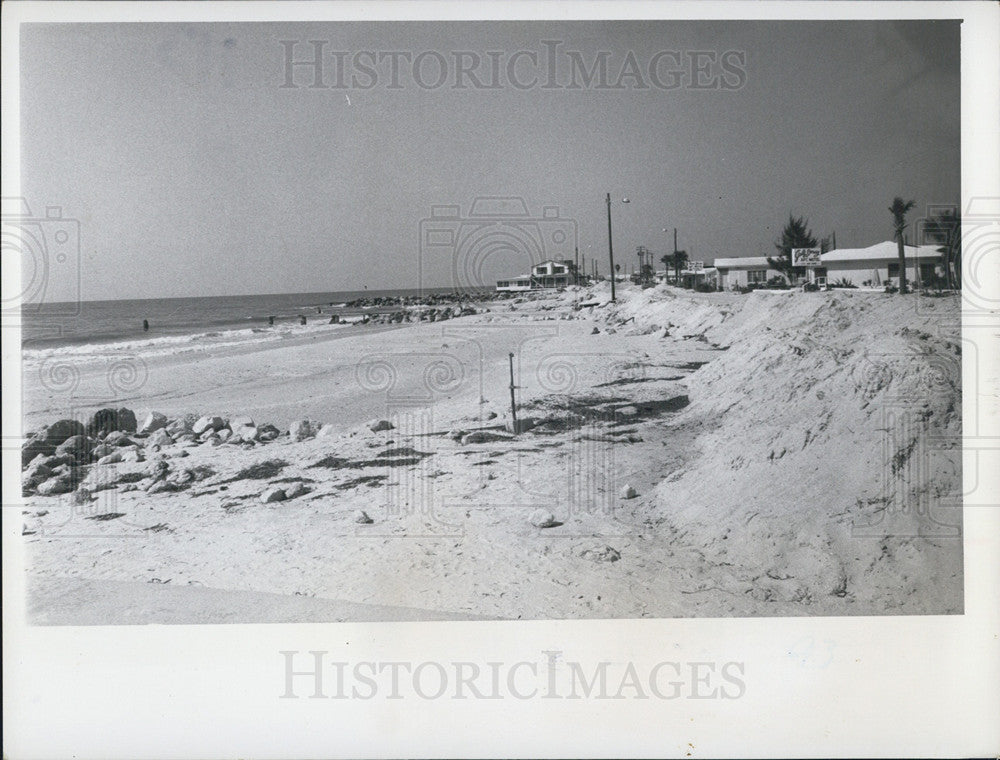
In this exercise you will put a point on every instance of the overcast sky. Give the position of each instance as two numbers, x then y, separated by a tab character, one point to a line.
194	172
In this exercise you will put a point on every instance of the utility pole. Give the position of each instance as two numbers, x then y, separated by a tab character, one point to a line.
576	265
611	250
513	406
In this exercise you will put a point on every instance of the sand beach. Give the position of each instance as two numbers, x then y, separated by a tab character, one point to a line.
675	454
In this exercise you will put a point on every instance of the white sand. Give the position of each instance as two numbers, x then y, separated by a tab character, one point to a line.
753	472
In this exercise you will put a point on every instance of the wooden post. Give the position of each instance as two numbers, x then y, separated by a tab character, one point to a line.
513	407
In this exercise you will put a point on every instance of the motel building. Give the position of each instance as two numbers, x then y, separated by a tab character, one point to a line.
873	267
546	274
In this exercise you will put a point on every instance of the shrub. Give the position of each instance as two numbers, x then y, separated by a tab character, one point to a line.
842	283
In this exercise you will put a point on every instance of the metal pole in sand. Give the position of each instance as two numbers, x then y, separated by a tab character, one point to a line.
145	325
513	409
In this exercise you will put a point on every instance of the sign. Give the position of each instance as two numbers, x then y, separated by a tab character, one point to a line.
806	257
694	266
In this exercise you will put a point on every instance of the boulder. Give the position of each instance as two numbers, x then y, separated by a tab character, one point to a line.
272	494
377	426
301	429
78	446
224	435
101	450
208	422
56	485
118	438
628	492
113	457
151	422
81	496
296	489
361	517
542	519
159	438
133	455
37	446
595	331
105	421
326	430
267	432
179	427
241	422
36	474
59	431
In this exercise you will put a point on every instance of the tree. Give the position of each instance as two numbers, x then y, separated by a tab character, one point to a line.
679	259
898	209
945	228
795	235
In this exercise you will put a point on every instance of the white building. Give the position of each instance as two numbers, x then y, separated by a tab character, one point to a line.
546	274
875	266
739	273
879	263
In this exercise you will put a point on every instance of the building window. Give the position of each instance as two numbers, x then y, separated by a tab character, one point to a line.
757	276
893	270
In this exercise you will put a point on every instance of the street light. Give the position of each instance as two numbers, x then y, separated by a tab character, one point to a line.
611	250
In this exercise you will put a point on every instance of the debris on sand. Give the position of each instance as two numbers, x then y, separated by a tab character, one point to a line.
628	492
377	426
361	517
601	554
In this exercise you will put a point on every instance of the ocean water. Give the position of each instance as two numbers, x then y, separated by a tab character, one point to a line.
177	321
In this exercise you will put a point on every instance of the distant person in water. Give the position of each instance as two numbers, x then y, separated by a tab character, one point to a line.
270	321
145	325
302	319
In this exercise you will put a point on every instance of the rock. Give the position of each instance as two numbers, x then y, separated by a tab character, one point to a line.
243	433
101	450
301	429
272	494
81	496
601	554
542	519
361	517
628	492
457	434
325	430
118	438
377	426
224	435
267	432
79	446
56	485
133	455
100	479
627	411
159	438
105	421
36	473
157	468
113	458
206	423
482	436
296	489
241	422
37	446
151	422
595	331
185	439
179	427
59	431
491	416
522	425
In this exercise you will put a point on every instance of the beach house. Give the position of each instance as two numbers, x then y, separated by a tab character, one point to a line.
546	274
874	266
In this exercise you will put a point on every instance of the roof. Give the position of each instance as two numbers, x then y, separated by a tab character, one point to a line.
747	262
886	251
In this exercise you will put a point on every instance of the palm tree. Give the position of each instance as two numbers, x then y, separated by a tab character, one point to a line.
679	260
796	234
945	227
898	210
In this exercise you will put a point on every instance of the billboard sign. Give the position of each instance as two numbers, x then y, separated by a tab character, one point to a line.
694	266
806	257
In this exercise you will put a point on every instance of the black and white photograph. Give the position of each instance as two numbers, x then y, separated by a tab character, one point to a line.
406	320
